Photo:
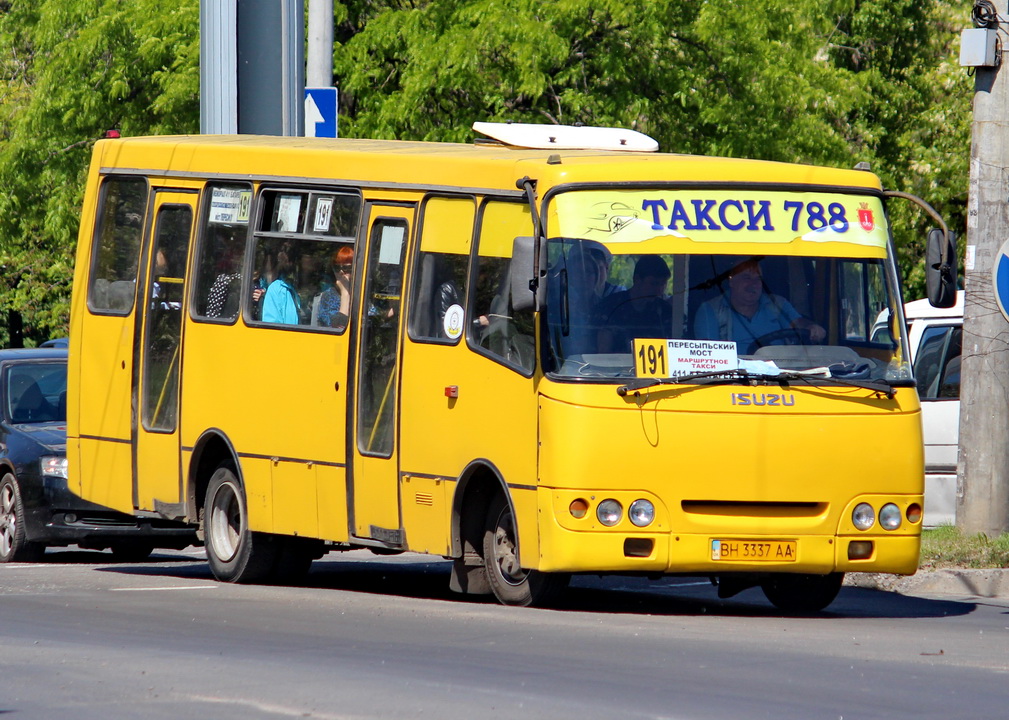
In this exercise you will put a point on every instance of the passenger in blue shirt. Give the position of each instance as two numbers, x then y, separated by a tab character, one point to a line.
748	314
281	303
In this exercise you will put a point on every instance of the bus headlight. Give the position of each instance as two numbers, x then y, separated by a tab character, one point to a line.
609	512
863	516
641	512
889	517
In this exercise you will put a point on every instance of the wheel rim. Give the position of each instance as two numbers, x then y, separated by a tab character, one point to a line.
505	557
226	522
8	519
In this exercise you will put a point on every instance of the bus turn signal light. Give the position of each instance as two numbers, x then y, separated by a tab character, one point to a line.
578	508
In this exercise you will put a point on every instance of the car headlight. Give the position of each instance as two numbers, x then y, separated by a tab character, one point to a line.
889	516
863	516
641	512
53	466
609	512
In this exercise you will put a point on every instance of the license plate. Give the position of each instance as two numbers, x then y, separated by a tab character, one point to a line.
754	550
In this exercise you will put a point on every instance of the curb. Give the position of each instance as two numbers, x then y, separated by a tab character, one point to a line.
987	583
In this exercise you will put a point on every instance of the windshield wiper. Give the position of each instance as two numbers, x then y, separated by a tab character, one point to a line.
712	376
814	376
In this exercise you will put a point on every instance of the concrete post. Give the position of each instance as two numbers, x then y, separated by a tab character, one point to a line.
319	70
983	474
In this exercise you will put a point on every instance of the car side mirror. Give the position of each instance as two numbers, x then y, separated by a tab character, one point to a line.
940	268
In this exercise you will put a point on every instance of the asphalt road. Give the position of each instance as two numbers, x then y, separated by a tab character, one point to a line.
369	637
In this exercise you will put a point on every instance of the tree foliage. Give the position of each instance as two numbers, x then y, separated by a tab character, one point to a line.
74	69
833	82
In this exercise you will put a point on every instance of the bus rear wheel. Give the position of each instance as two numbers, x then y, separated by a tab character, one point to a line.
511	584
234	553
802	593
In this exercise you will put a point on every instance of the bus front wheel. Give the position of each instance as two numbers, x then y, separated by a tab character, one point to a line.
234	553
511	584
802	593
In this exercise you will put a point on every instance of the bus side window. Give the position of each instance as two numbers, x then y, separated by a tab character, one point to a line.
118	234
222	253
438	298
496	328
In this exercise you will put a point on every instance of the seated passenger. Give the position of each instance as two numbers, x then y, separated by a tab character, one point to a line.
334	302
641	311
281	303
749	316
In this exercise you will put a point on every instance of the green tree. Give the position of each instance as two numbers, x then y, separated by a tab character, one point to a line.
833	83
76	69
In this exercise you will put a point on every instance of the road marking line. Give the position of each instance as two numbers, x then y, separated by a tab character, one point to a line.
173	587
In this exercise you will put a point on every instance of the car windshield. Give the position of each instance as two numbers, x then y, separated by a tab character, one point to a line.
611	313
36	392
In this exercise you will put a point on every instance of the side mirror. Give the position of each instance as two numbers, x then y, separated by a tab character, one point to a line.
940	268
523	271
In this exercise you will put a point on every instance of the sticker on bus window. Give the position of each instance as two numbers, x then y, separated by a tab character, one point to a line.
670	358
323	214
453	321
230	205
288	214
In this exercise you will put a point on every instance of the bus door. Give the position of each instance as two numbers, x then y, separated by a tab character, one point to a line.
375	465
157	480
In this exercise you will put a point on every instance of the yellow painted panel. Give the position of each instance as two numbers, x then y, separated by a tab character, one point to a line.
500	224
332	501
492	419
257	478
426	516
447	225
295	498
106	472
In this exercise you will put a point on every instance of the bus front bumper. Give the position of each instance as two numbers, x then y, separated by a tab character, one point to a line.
615	551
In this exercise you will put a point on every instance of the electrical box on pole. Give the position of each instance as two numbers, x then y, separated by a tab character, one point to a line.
983	474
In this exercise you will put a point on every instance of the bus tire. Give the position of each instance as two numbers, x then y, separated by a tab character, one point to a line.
802	593
511	584
234	553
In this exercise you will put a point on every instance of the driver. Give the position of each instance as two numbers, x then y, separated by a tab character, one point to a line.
749	314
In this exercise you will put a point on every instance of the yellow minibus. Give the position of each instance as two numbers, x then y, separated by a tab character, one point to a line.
551	351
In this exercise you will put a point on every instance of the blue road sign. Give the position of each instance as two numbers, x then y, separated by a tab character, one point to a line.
320	112
1000	278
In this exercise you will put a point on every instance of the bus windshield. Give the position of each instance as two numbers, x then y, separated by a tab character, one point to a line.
761	313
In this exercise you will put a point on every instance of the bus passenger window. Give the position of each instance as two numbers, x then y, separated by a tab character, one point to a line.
302	282
438	296
222	253
118	234
496	327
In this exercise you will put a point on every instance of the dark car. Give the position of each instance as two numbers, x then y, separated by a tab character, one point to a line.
37	509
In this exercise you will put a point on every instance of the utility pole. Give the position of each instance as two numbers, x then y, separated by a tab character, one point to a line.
319	70
983	470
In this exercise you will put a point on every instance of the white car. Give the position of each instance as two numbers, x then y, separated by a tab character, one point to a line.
935	336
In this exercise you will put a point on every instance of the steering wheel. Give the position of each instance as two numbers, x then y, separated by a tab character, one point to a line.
784	336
